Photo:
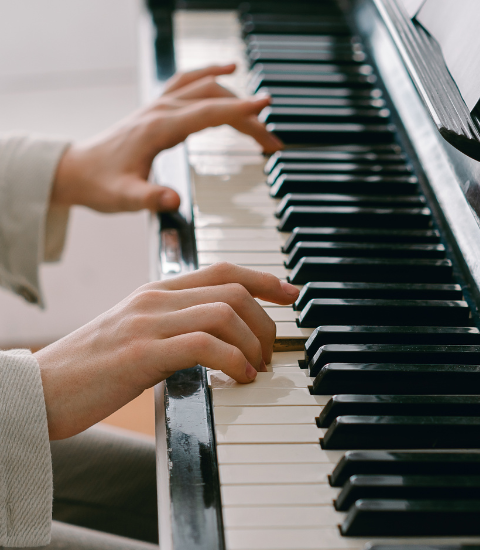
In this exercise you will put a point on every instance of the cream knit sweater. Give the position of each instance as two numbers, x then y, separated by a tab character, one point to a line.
30	233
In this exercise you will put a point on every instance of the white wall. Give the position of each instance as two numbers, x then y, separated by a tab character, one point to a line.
69	67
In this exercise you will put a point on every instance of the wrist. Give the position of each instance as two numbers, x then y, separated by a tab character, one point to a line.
66	178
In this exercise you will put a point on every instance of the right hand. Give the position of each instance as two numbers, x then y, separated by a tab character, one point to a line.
207	317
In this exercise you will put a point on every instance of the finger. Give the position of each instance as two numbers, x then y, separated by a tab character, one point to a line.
138	194
253	127
217	319
199	348
204	88
258	283
175	126
235	297
183	79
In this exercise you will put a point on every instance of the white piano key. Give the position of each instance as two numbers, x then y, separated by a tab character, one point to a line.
240	234
271	433
238	246
260	216
278	495
248	396
327	538
222	220
242	258
271	517
282	314
266	415
280	358
271	380
264	303
279	474
290	330
213	197
277	454
282	369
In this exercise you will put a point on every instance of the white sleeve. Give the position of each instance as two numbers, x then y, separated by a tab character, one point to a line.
30	231
25	459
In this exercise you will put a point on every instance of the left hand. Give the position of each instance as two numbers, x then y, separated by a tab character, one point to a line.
109	173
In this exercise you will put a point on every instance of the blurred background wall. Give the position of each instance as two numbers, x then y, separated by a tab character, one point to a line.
70	68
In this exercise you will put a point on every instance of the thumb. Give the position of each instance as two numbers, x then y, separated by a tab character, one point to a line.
141	194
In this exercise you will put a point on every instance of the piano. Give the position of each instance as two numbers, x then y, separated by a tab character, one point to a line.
365	431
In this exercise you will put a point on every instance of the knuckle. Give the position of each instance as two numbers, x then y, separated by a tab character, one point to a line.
199	340
145	299
223	269
223	312
238	293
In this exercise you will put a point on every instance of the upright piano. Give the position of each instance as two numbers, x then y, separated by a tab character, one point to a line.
366	429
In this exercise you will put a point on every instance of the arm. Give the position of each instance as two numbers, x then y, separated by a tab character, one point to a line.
31	230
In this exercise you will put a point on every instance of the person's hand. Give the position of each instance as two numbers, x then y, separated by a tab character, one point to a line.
207	317
110	172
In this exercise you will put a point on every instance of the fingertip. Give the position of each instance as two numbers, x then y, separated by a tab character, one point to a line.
291	291
167	200
250	372
273	145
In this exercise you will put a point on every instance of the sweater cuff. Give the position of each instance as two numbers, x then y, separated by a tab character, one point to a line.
25	460
30	231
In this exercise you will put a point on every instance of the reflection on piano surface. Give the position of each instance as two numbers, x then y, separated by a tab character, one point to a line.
366	429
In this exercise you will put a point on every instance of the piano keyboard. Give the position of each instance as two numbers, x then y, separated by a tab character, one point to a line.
375	365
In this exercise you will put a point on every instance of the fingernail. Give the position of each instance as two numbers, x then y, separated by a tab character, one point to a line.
263	366
277	142
250	371
289	289
262	96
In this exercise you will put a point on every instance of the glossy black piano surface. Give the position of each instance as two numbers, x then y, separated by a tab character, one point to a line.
391	287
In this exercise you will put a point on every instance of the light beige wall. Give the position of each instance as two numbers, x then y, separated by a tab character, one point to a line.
69	67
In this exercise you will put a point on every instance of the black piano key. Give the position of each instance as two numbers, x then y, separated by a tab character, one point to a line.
327	102
367	250
397	379
355	334
398	405
407	518
330	156
314	57
303	115
404	463
340	234
343	183
313	27
269	6
265	6
402	432
319	91
301	133
309	68
439	546
371	270
329	199
352	216
312	168
296	18
458	487
326	80
288	40
384	291
395	353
